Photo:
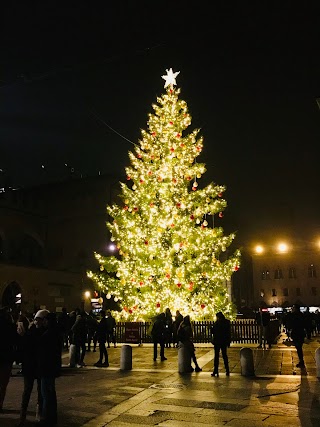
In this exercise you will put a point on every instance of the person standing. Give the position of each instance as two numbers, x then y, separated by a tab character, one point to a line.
263	322
92	324
64	324
169	327
79	337
49	366
178	319
296	327
111	329
185	335
158	336
101	334
221	331
8	347
29	349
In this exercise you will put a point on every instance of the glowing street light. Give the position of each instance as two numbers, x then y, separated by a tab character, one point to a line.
87	294
282	248
259	249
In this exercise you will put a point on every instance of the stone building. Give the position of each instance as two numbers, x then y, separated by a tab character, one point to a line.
48	235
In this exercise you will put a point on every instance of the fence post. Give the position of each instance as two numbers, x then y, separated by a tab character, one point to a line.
246	362
317	357
126	358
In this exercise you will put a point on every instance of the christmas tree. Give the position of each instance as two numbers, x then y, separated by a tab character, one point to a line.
169	255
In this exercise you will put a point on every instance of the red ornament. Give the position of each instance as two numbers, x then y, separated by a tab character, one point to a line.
174	180
128	178
194	188
152	157
172	225
172	149
171	123
151	205
130	311
182	145
153	134
141	283
198	148
168	276
220	214
179	285
178	205
146	242
191	216
188	178
139	156
141	181
178	135
135	209
236	268
125	208
158	304
149	173
125	308
220	195
202	306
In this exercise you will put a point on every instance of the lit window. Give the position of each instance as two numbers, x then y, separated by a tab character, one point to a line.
285	292
312	271
274	292
292	273
278	273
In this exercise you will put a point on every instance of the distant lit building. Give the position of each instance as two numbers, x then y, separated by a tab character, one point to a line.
284	275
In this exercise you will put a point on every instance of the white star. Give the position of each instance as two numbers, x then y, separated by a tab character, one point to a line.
170	78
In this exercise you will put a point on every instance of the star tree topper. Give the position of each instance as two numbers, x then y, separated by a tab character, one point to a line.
170	78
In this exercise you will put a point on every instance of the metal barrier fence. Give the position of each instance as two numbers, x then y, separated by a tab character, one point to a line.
242	331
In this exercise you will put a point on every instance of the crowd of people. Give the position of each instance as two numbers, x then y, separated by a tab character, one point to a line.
36	344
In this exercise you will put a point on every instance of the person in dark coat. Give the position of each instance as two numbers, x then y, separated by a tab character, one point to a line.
263	321
221	331
308	323
178	319
111	331
65	325
101	334
169	328
92	324
185	335
29	349
79	337
296	326
8	348
158	336
49	368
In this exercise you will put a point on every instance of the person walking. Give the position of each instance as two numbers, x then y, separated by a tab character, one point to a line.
49	367
185	335
158	336
296	326
101	334
111	329
221	331
8	347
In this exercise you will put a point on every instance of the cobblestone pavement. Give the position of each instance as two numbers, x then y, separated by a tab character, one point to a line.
153	393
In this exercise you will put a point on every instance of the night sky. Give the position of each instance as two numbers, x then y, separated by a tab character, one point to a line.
250	75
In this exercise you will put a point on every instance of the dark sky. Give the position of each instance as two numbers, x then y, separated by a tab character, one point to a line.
250	74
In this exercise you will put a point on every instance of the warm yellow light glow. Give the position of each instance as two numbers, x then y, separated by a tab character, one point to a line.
87	294
282	247
259	249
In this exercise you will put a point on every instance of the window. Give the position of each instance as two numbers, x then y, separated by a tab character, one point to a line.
285	292
292	273
313	291
298	292
274	292
278	273
265	275
312	271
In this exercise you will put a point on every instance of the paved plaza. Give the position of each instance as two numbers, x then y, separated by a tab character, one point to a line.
155	394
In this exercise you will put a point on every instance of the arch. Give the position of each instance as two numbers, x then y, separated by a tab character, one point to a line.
10	296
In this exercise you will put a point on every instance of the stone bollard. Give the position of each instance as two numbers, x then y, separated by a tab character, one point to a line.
126	358
246	362
184	359
317	357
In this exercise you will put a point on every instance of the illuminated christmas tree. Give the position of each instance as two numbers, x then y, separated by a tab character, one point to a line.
169	255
